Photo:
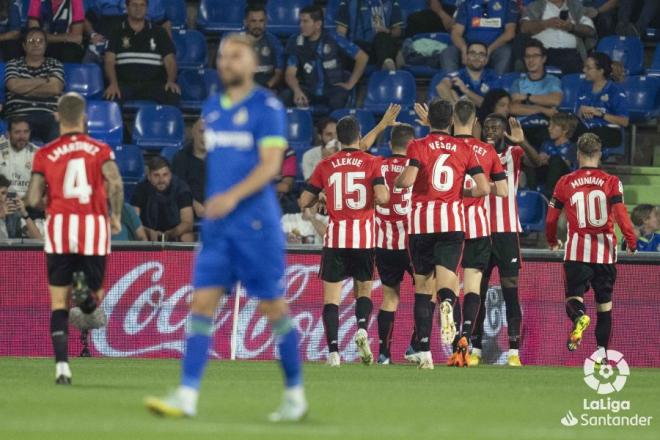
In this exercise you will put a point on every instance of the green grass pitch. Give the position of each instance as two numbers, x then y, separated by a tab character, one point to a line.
353	402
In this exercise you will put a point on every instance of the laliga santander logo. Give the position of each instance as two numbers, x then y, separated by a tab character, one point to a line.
597	375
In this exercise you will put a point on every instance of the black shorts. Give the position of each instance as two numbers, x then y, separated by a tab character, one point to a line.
392	266
580	276
440	249
505	254
339	264
476	253
62	266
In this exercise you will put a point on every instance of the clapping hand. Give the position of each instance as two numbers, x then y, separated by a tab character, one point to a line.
422	111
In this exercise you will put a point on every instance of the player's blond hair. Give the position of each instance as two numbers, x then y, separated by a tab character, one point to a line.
589	144
71	109
243	39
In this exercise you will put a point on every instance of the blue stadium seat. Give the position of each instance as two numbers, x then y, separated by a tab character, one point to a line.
422	71
433	93
619	150
654	70
627	50
300	131
366	118
86	79
506	80
217	16
2	89
3	127
410	6
175	10
169	153
570	86
130	162
197	85
283	16
104	122
384	88
158	126
23	6
191	51
643	97
129	189
330	13
405	117
532	209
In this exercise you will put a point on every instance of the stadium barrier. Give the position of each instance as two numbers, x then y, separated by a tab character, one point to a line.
148	289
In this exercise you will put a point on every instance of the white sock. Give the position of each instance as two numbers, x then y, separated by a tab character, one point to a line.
513	352
295	393
62	369
188	398
476	351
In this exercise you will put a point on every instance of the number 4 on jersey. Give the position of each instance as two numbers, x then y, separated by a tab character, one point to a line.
76	185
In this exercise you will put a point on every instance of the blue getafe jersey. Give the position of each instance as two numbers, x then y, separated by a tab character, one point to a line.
234	134
611	99
489	80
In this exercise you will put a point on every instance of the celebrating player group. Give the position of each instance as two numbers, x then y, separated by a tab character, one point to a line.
440	201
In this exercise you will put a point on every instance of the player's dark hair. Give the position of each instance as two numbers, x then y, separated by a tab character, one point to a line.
255	7
314	11
532	42
497	117
440	114
464	110
17	120
401	135
4	182
491	98
640	213
157	162
589	144
348	130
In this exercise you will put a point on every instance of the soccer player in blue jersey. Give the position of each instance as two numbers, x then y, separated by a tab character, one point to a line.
242	239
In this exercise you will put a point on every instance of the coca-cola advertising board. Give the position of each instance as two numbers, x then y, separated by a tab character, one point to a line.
148	294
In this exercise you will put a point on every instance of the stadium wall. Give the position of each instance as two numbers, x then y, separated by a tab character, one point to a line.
148	288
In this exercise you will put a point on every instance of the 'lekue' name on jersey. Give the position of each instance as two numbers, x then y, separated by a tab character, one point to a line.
71	148
242	140
435	145
346	161
590	180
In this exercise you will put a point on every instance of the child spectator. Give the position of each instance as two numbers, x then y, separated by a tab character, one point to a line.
558	154
645	218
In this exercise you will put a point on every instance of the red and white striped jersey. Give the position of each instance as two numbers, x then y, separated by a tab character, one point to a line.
477	224
348	178
77	207
392	218
589	196
503	211
437	201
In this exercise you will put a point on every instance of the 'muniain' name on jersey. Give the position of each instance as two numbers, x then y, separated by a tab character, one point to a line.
590	180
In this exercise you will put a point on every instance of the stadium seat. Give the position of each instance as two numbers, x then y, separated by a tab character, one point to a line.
129	189
384	88
130	162
532	209
433	93
627	50
570	86
507	80
366	118
2	89
422	71
3	127
158	126
300	132
23	6
283	16
104	122
197	85
330	13
410	6
191	51
619	150
175	10
405	117
654	70
217	16
643	97
169	153
85	79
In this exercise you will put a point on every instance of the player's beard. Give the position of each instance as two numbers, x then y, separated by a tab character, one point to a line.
234	81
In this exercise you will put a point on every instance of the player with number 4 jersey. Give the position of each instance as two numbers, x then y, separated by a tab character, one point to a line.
353	184
592	201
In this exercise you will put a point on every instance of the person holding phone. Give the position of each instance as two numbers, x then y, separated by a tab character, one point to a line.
11	204
564	28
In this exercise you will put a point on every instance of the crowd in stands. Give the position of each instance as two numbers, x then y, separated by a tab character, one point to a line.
510	57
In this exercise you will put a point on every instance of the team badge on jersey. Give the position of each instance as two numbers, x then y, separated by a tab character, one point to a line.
265	51
241	117
125	42
484	88
605	98
152	44
497	6
327	49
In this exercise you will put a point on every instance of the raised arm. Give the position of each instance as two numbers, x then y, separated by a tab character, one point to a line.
407	177
517	137
389	118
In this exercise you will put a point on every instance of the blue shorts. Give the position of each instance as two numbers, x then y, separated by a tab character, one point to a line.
256	259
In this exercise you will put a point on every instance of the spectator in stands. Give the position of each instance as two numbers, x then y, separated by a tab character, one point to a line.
650	10
10	206
315	68
602	104
327	130
131	226
101	16
164	204
307	227
490	22
437	18
496	101
267	46
373	26
63	20
535	95
140	62
284	183
603	13
563	28
558	154
189	166
474	80
10	30
34	83
647	224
